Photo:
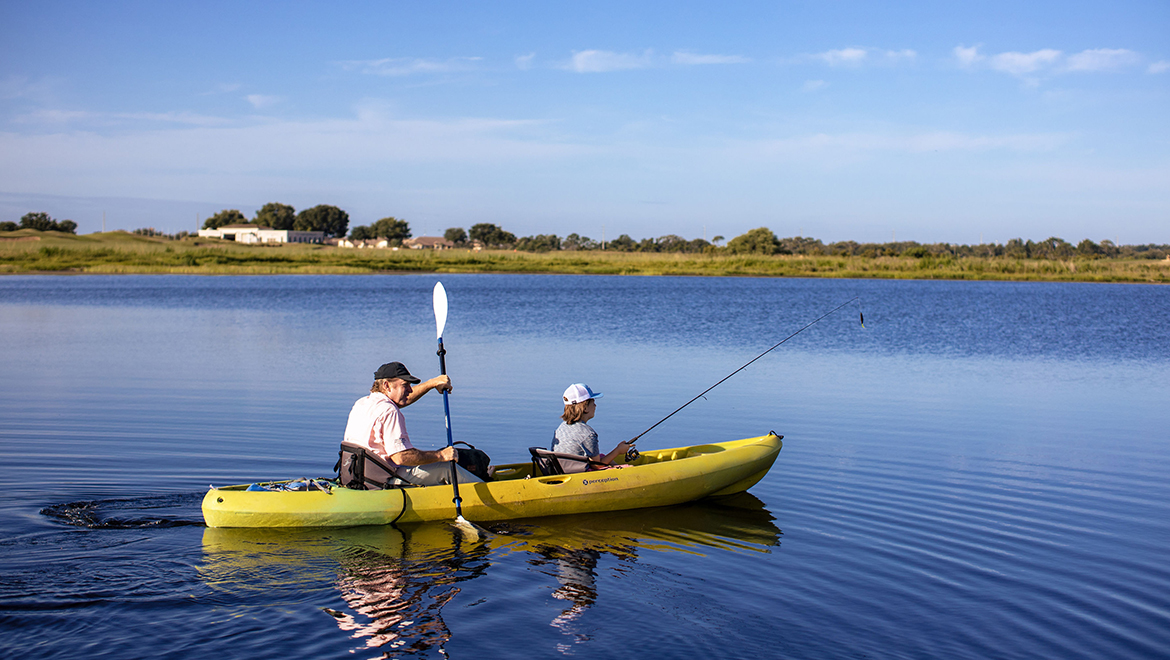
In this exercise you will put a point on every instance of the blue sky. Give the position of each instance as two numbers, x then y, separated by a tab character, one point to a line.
952	122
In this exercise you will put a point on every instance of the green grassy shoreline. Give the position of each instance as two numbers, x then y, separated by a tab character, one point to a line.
31	252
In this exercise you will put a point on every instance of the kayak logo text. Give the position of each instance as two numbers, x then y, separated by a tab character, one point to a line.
586	482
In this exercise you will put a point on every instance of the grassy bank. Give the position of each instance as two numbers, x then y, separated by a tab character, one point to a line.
28	251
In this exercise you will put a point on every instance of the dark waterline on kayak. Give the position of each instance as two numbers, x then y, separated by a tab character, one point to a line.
980	472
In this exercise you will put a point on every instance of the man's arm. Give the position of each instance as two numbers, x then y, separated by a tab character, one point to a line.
419	457
440	383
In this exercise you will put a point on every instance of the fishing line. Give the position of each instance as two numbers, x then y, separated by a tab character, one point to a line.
774	347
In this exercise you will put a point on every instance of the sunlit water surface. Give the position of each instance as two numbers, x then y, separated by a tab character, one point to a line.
981	471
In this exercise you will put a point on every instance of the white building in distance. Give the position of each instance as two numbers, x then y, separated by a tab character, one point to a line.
368	243
428	243
258	234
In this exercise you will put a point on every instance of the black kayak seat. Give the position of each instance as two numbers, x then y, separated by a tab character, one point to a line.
546	463
361	469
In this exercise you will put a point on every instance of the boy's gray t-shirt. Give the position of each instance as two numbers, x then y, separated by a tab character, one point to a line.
577	439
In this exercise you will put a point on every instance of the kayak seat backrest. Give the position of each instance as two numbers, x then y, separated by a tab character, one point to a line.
546	463
360	469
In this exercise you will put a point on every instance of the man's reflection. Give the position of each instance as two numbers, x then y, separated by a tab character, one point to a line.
394	582
397	601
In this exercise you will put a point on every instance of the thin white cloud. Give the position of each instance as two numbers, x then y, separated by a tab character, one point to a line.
50	116
1102	59
78	117
1019	64
685	58
1161	66
968	57
951	141
259	101
843	56
1047	60
813	85
524	62
856	56
836	149
903	55
602	61
21	87
409	66
182	118
138	156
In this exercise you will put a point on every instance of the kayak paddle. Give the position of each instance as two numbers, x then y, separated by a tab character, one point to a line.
440	303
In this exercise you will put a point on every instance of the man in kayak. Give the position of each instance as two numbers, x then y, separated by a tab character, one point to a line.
574	436
376	423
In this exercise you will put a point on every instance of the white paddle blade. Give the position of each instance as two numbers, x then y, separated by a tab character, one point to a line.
470	530
440	300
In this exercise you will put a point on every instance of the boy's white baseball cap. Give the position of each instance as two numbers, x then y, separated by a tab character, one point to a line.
579	392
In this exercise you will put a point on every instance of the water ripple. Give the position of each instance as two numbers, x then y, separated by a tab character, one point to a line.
130	513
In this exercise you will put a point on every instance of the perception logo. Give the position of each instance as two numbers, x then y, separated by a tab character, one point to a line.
586	482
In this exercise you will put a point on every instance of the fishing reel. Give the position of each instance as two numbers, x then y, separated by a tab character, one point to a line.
632	453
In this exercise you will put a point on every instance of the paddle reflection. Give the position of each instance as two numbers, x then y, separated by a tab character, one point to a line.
569	548
393	583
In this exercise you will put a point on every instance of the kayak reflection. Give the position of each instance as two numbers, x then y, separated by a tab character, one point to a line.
387	585
393	583
737	523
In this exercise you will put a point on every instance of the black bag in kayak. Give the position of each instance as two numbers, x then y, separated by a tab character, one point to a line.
475	461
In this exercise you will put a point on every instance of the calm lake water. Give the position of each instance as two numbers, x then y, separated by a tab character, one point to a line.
979	472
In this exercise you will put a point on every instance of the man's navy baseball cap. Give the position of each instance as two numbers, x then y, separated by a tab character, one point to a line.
395	370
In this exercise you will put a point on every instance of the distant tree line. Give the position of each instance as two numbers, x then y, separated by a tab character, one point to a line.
492	236
764	242
331	220
1017	248
334	222
391	229
155	233
40	222
323	218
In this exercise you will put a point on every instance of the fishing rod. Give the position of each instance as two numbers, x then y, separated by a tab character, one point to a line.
774	347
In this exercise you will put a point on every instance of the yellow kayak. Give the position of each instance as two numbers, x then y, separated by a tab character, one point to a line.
657	478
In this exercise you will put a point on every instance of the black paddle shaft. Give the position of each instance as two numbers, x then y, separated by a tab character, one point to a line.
442	353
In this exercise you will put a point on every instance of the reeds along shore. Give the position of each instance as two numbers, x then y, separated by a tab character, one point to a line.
118	252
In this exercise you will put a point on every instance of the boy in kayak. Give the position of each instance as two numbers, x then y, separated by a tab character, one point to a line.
574	436
376	423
